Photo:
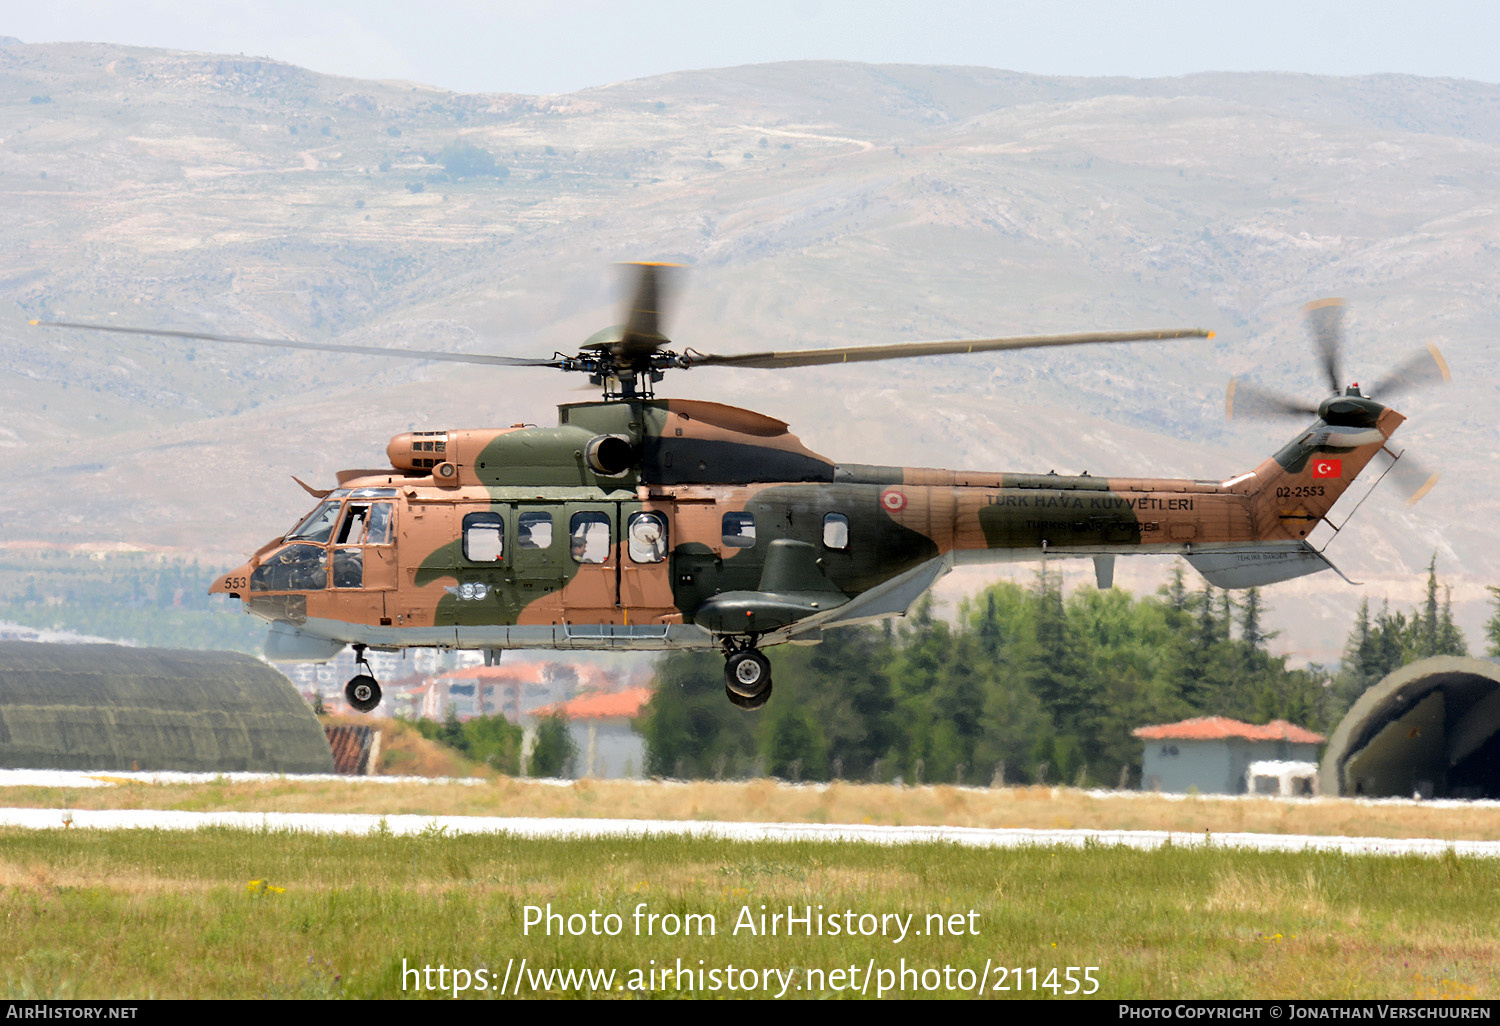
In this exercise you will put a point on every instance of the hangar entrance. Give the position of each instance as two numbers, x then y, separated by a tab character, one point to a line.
1479	772
1430	729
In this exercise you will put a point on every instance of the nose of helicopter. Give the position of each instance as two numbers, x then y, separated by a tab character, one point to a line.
233	583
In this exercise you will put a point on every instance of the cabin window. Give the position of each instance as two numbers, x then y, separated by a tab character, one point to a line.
588	537
318	526
294	568
484	538
647	533
835	531
739	530
534	530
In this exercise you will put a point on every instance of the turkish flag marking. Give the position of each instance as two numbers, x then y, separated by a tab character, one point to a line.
1328	468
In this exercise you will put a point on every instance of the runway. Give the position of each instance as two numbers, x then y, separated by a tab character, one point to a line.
408	825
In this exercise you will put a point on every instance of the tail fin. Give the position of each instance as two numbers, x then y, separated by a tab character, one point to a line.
1290	494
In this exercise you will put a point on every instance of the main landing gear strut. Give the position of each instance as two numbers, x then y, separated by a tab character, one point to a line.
747	675
362	691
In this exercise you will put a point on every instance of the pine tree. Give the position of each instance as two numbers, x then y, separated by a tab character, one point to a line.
1492	625
1251	632
1451	640
1360	659
1177	595
1425	623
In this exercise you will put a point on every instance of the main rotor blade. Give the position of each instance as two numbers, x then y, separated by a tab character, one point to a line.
1249	400
1326	319
1422	368
642	333
905	350
327	347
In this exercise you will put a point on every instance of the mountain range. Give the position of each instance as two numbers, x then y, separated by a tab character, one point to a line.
813	204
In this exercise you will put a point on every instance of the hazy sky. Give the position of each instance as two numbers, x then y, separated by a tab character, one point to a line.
542	47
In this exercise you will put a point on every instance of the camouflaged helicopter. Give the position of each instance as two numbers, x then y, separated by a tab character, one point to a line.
640	523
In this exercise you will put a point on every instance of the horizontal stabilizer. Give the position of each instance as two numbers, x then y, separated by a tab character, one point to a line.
1254	566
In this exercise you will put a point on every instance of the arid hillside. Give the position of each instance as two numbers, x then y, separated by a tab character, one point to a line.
815	203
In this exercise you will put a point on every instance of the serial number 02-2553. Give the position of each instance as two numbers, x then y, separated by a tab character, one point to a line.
1069	983
1299	492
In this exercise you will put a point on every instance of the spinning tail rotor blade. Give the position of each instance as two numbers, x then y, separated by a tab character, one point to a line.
1413	478
1325	318
1424	367
1246	400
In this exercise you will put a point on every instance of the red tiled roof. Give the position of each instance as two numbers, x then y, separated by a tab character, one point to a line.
509	671
601	705
1214	728
520	673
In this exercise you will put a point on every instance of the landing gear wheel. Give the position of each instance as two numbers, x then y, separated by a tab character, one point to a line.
747	673
749	704
362	692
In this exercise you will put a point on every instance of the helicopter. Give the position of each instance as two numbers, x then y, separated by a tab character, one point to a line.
639	523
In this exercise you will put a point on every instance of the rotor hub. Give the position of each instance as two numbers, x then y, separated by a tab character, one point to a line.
1350	409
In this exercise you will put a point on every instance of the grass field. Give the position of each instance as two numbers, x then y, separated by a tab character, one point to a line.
222	913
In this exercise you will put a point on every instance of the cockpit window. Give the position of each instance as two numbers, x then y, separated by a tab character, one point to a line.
379	532
294	568
352	531
318	526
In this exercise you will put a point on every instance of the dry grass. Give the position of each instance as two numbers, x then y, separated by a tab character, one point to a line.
406	753
123	914
769	801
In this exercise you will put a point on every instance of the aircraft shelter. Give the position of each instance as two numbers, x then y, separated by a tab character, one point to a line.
1430	729
111	707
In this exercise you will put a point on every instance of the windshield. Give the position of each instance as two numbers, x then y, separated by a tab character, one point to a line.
318	525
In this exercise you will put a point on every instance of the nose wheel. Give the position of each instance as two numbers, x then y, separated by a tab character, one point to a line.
747	675
363	691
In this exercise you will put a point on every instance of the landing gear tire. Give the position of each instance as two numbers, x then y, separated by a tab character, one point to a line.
362	692
748	704
747	673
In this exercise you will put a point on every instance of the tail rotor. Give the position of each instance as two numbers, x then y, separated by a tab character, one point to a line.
1325	321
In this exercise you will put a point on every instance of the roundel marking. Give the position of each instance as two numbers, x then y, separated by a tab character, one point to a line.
893	500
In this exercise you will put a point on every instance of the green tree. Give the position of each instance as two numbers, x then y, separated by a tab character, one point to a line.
845	685
463	159
1492	625
794	745
689	726
554	751
1251	631
494	741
